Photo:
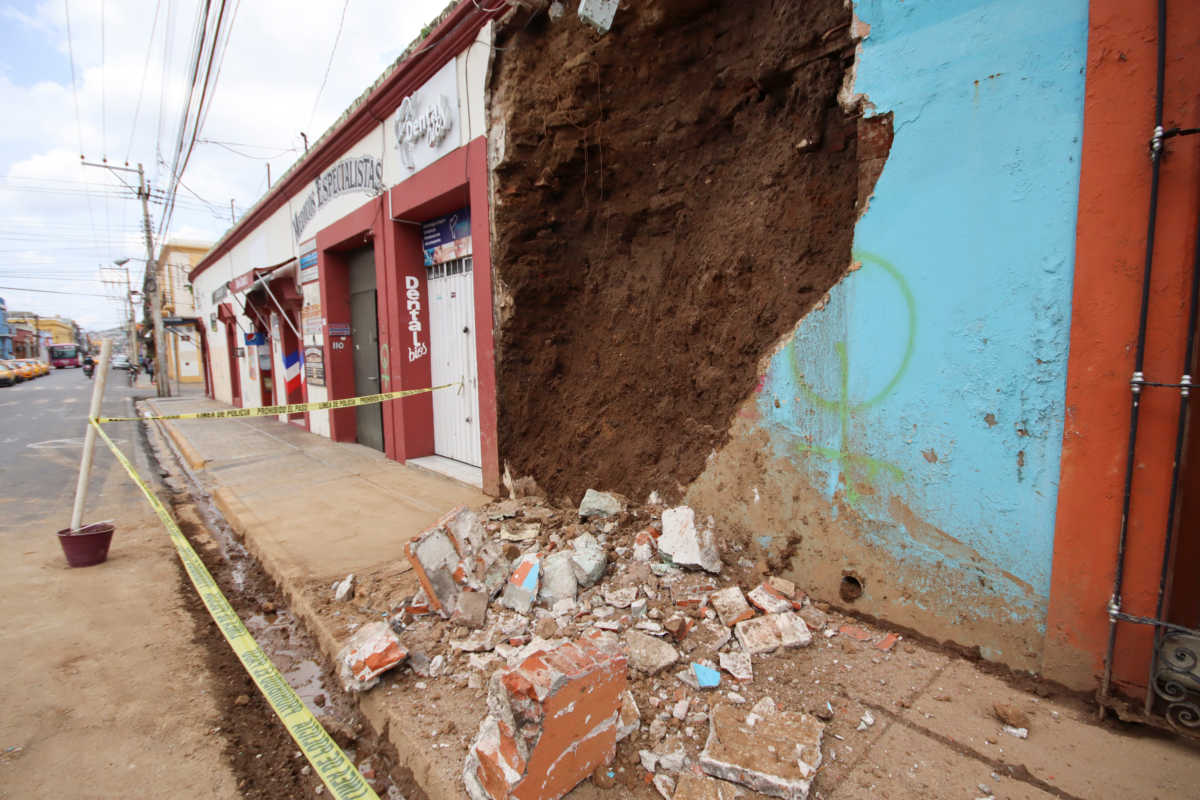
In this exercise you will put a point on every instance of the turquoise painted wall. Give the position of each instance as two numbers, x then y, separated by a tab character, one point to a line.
933	380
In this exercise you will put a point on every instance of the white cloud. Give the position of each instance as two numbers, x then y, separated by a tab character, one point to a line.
63	219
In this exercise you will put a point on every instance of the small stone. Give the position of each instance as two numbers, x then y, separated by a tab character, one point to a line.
436	665
600	504
866	721
319	700
648	654
672	761
1011	715
665	785
605	777
686	546
680	709
649	760
783	586
242	700
345	589
887	642
738	665
735	698
730	605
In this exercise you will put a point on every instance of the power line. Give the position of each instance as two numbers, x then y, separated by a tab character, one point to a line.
329	65
145	71
52	291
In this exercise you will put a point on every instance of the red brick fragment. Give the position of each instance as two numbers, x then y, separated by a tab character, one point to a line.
854	633
887	642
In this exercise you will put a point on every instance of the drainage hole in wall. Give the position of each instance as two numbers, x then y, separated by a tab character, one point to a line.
851	588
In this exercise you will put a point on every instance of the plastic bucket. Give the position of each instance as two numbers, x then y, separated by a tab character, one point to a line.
88	545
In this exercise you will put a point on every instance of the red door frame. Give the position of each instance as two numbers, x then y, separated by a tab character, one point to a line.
225	314
458	180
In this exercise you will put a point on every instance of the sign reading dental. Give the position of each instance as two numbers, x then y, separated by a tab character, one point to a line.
426	126
357	174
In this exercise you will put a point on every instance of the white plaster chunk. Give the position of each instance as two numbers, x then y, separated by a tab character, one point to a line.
736	753
685	545
648	654
558	578
345	589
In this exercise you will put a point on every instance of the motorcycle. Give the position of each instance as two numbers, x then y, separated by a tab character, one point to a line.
88	369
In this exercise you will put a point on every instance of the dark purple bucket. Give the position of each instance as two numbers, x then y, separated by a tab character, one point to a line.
88	545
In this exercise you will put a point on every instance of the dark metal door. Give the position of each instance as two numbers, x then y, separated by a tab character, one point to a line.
364	338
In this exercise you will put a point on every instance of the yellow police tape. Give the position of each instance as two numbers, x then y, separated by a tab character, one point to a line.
344	781
294	408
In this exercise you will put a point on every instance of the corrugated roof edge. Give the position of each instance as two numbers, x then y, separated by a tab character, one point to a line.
434	34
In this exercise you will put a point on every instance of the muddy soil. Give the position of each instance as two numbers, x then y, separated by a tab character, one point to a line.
670	199
259	750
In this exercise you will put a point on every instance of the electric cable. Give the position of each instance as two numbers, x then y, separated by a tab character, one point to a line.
145	71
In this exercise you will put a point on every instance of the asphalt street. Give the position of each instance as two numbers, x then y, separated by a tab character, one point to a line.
42	425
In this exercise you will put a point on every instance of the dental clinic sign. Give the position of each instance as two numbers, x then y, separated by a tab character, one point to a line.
356	174
426	125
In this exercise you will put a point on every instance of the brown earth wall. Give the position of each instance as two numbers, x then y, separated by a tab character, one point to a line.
670	198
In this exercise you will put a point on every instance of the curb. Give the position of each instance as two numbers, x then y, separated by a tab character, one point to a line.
386	722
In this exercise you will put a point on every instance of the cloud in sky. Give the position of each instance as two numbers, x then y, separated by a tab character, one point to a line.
62	221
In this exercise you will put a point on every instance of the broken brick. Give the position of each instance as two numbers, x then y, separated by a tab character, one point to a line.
435	557
767	634
769	599
522	587
888	642
564	705
730	605
854	633
371	651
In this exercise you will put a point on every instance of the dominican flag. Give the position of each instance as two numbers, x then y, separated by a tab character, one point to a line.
291	371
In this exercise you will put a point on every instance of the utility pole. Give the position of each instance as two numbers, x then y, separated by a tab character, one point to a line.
153	291
150	287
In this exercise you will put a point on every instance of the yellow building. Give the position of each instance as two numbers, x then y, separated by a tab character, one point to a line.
175	261
61	330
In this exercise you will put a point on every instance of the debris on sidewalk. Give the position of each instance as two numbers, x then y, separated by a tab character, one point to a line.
1010	715
776	754
653	637
553	720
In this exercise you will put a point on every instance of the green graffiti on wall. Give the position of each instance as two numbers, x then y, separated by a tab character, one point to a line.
858	470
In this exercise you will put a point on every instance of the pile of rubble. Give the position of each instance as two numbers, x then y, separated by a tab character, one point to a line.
595	627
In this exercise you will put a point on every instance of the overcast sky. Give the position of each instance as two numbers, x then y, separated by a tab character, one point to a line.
60	221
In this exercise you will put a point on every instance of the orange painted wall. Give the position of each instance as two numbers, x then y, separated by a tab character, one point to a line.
1114	200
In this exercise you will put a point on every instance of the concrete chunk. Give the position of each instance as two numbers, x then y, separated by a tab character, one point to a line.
648	654
767	634
769	599
435	559
600	504
738	665
522	587
685	545
558	578
587	559
472	609
630	718
778	756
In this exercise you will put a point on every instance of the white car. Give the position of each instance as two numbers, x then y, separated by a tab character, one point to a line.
120	361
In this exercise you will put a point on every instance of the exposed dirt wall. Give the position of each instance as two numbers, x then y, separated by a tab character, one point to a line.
670	199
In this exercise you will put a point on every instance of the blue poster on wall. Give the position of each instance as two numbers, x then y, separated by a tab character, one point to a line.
256	338
447	238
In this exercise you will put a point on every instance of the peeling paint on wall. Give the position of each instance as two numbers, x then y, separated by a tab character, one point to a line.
919	411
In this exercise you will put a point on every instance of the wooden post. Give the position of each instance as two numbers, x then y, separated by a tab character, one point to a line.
100	377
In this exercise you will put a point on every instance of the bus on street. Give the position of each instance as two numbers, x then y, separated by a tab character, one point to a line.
66	355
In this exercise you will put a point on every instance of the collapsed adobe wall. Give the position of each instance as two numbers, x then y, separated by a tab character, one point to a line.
669	199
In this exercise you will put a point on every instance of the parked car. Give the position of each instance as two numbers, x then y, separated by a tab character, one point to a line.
24	371
42	367
120	361
34	365
7	376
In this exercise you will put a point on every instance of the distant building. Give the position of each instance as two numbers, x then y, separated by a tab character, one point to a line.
6	344
55	330
184	356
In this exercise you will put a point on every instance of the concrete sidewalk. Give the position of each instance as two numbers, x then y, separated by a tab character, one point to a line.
312	510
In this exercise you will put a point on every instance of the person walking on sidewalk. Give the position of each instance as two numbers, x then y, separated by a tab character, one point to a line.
148	367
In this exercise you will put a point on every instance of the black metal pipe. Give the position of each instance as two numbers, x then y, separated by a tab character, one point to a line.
1156	141
1180	432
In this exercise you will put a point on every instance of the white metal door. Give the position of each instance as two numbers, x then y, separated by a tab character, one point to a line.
452	360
